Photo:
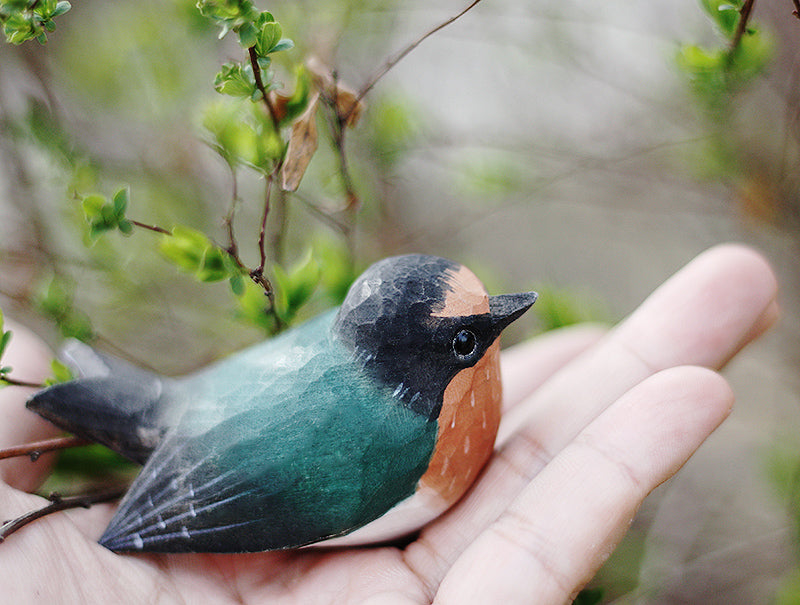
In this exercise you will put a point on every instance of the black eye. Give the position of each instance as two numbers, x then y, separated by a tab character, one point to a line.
464	344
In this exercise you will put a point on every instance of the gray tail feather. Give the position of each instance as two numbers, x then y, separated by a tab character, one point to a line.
116	403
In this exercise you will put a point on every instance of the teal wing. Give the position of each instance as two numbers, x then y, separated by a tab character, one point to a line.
286	458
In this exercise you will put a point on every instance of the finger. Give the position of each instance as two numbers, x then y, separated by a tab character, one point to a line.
702	316
526	366
560	409
54	560
30	359
561	528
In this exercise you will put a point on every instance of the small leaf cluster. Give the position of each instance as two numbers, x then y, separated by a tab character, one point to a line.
259	33
192	251
24	20
105	215
714	73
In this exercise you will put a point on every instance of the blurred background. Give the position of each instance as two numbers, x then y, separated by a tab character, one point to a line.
582	149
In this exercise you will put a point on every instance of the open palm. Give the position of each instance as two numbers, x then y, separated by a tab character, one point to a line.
594	420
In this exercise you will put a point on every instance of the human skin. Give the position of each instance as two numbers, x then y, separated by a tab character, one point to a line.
594	420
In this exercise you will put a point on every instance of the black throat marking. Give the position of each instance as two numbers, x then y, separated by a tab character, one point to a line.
388	321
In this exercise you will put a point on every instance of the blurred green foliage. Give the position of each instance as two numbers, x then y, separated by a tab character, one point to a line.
559	308
783	470
718	76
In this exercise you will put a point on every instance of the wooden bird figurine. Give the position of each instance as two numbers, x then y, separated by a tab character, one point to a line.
359	426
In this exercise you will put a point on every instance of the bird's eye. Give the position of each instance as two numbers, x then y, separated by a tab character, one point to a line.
464	344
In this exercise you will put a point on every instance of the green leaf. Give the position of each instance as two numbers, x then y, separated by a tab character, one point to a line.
268	37
235	80
237	284
5	338
61	8
264	63
125	227
212	266
60	373
120	201
92	205
185	247
191	251
296	287
284	44
253	307
248	35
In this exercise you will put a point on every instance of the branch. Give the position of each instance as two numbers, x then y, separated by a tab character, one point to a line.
744	17
260	85
402	54
262	235
59	503
37	448
154	228
796	11
13	382
338	132
233	247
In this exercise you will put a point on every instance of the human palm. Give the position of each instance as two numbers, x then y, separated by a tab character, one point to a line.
594	420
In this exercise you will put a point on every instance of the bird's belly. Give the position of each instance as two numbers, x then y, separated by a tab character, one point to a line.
405	517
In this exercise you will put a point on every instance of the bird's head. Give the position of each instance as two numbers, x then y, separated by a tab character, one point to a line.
416	321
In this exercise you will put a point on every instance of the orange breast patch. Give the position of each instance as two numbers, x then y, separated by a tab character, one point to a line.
467	427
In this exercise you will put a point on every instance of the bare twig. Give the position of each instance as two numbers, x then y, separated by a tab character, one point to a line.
405	51
279	219
13	382
154	228
260	85
59	503
37	448
338	133
262	234
233	247
741	28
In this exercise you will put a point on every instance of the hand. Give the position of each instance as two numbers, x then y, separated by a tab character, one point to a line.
594	421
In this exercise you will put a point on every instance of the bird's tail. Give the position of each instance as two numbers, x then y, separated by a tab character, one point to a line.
113	403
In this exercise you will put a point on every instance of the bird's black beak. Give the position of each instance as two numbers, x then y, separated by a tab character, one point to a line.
505	308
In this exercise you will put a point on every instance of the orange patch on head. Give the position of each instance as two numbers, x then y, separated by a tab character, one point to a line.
465	296
468	426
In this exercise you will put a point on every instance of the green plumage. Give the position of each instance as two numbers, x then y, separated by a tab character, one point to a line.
276	452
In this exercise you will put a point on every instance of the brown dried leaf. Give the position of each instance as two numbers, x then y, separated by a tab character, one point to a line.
302	145
279	101
347	102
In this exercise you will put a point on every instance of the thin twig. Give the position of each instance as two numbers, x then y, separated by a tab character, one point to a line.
233	247
279	219
154	228
260	85
262	234
744	17
37	448
13	382
59	503
339	131
405	51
